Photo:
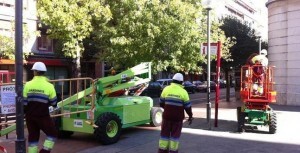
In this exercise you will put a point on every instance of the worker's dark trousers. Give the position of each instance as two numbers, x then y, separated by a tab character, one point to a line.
169	136
258	79
258	75
35	124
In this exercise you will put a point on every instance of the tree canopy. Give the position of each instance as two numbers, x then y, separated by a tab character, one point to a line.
247	42
7	49
166	32
70	21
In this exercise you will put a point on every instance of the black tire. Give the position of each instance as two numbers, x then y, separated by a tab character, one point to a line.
156	116
241	120
273	123
61	133
109	128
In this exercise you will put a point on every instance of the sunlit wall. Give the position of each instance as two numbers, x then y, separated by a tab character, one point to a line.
284	48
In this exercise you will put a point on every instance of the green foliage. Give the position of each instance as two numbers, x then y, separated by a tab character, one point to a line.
7	49
167	33
70	21
246	41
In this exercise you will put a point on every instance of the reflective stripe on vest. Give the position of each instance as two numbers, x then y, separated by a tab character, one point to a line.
175	95
39	90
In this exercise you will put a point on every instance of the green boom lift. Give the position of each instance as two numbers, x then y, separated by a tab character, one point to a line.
100	109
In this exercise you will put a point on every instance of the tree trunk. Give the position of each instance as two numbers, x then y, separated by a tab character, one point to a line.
227	85
76	72
78	69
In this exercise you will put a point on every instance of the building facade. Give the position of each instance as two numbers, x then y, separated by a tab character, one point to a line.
284	48
39	45
254	12
35	41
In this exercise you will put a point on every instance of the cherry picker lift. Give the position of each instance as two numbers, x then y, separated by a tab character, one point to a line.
256	109
101	107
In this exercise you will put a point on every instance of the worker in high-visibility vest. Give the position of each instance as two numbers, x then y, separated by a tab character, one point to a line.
175	100
260	63
38	95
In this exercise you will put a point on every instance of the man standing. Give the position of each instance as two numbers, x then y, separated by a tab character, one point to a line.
38	95
260	63
174	99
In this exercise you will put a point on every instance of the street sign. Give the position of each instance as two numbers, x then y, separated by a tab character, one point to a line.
8	99
213	48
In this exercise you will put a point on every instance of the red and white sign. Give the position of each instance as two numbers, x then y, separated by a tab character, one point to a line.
213	48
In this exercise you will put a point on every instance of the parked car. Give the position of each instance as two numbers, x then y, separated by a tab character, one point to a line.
203	86
196	83
222	83
164	82
154	89
189	87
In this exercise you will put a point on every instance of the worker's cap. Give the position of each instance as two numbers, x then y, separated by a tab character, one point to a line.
178	77
39	66
263	52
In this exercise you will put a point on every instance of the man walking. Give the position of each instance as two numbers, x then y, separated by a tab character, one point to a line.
174	99
38	95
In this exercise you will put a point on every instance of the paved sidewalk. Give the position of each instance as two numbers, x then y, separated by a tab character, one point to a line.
197	138
224	138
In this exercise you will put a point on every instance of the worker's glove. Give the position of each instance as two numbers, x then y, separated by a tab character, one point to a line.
51	109
190	120
54	110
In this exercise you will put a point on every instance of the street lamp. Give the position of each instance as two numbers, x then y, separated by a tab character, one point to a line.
258	34
20	143
259	41
208	5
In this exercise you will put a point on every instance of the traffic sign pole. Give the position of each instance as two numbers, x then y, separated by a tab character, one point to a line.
218	83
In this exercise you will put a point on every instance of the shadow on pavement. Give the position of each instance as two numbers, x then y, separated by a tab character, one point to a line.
285	108
201	123
136	140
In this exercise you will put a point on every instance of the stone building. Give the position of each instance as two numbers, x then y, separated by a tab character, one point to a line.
284	48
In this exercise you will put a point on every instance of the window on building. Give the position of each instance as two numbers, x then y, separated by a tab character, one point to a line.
245	6
235	12
11	3
6	28
45	44
7	3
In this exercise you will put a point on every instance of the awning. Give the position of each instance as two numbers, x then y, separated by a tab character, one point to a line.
7	62
49	62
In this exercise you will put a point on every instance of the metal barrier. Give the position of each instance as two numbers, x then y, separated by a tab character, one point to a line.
77	91
70	92
249	77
